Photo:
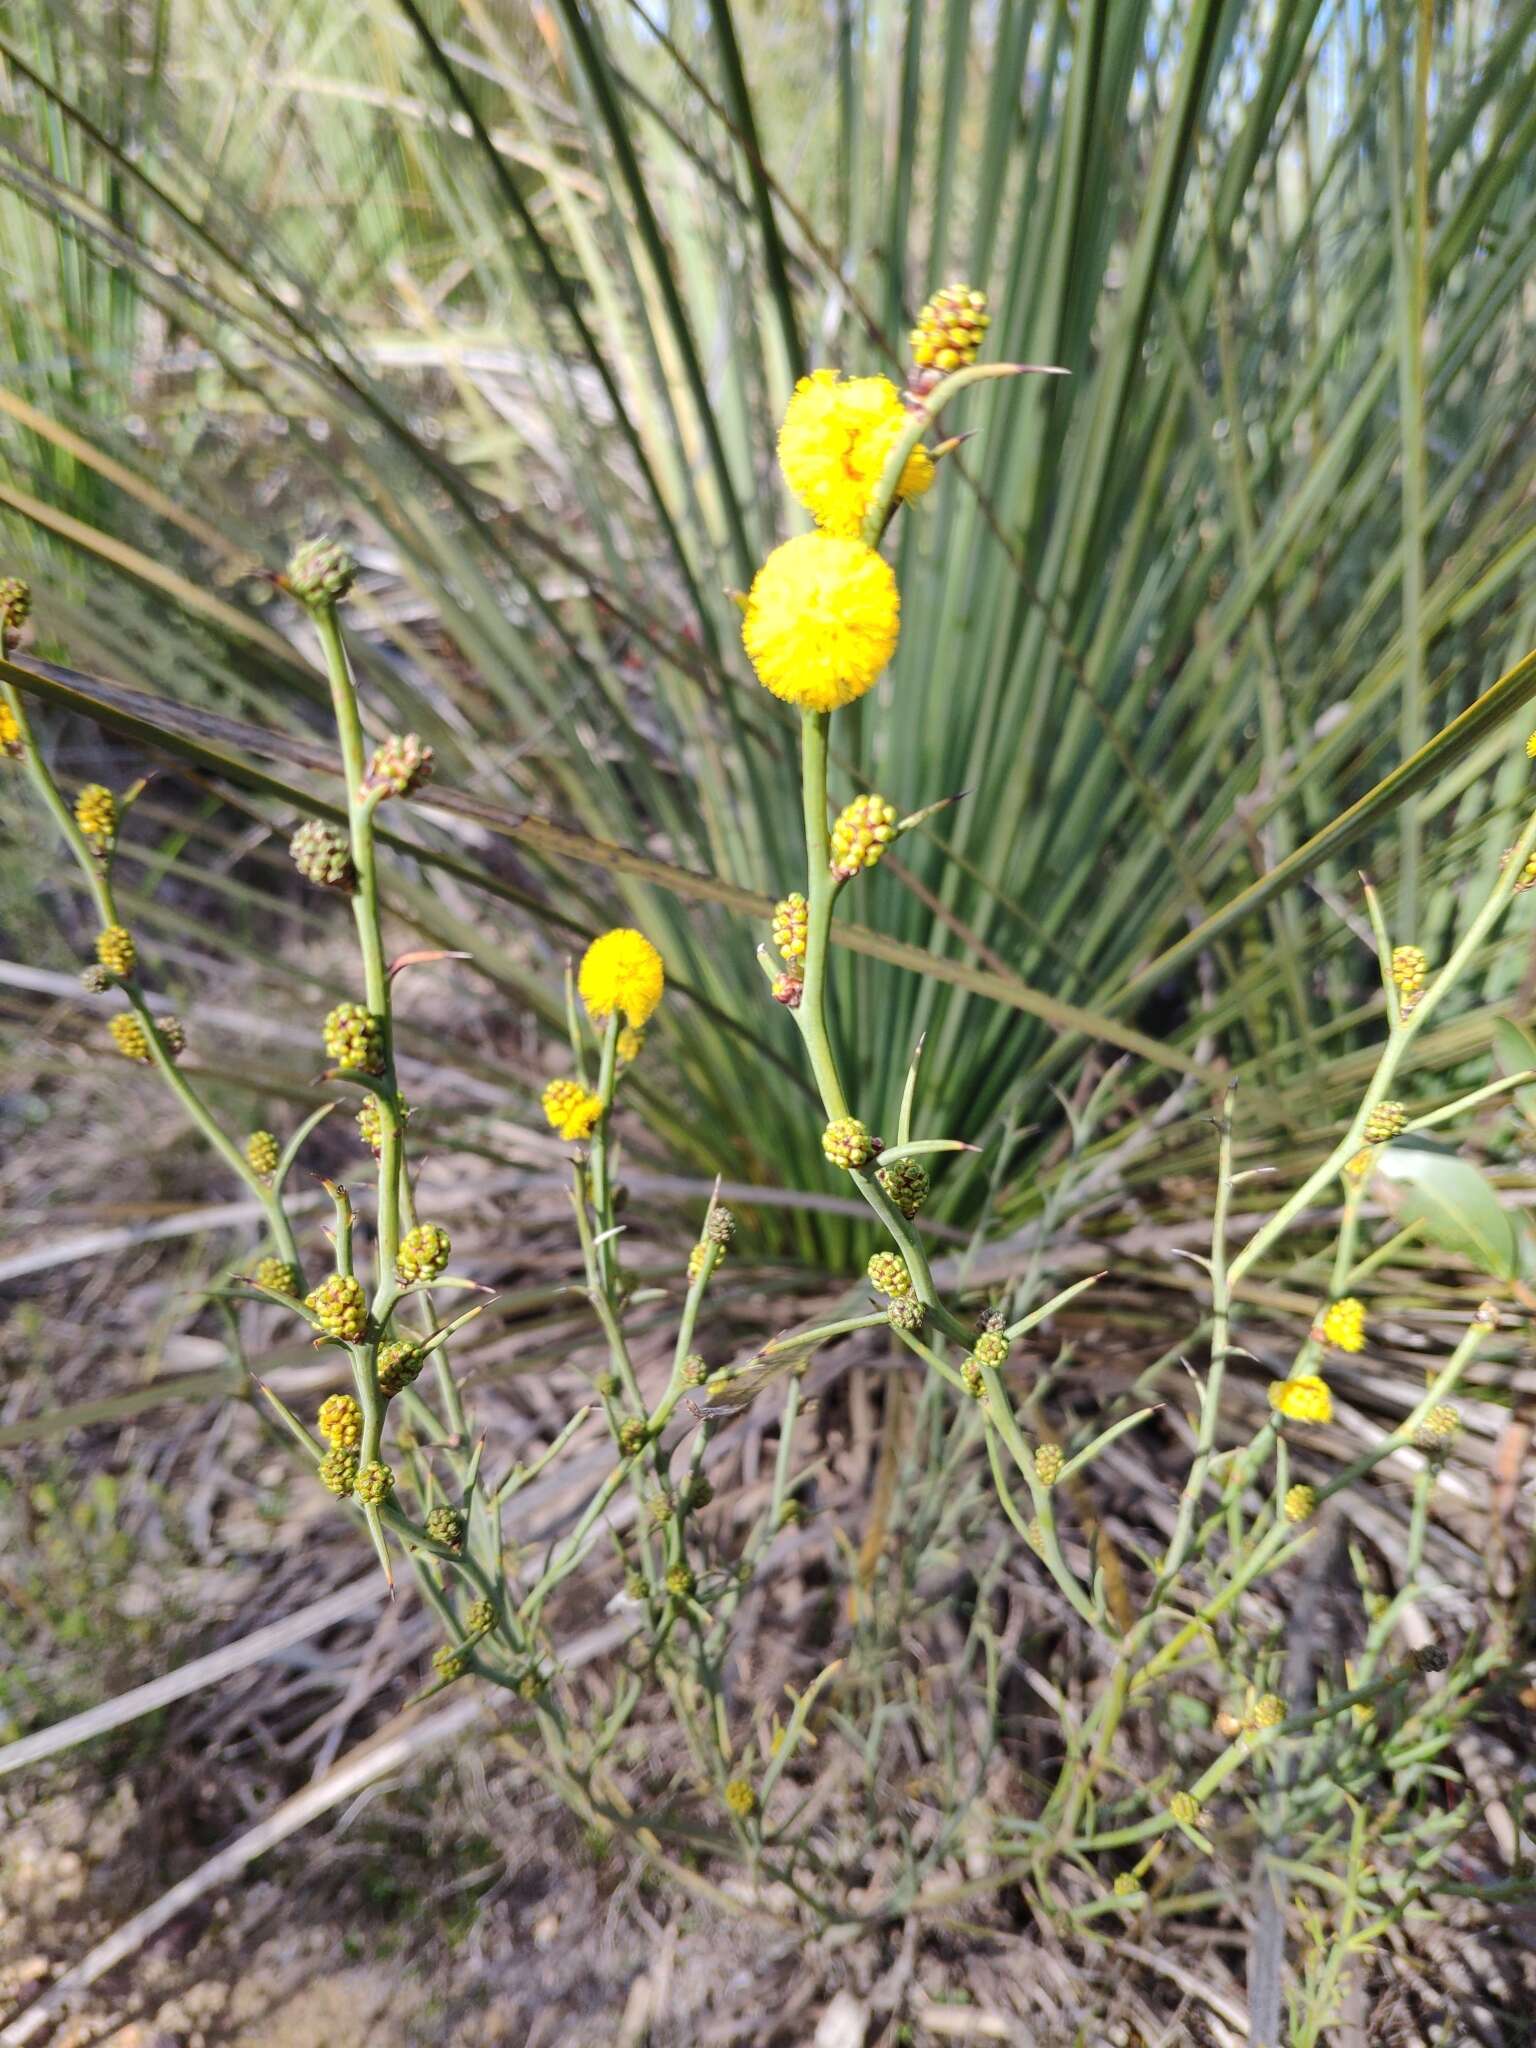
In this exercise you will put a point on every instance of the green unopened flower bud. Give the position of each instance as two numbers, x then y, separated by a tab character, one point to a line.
680	1582
1127	1884
1300	1503
481	1618
340	1307
399	1363
262	1153
991	1348
741	1798
1384	1122
322	856
370	1121
115	951
1268	1712
698	1493
449	1663
96	815
423	1253
792	1514
888	1274
320	573
354	1038
695	1370
445	1525
660	1507
401	766
277	1275
375	1483
1410	966
848	1143
1048	1463
633	1436
948	336
906	1182
15	604
704	1251
338	1471
719	1225
861	832
973	1382
1185	1808
340	1421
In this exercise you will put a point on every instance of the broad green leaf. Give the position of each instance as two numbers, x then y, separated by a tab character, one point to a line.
1454	1204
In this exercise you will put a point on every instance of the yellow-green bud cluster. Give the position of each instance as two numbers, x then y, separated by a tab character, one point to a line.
375	1483
1385	1122
791	921
445	1525
1267	1712
905	1312
96	815
1048	1463
698	1493
276	1275
1185	1808
1300	1503
991	1348
1127	1885
399	1363
848	1143
719	1226
340	1421
1439	1426
340	1307
322	856
741	1798
1526	879
338	1472
1410	969
633	1436
15	604
906	1182
262	1153
680	1582
480	1618
129	1036
370	1124
661	1507
115	951
972	1380
320	573
950	330
695	1370
400	767
354	1038
861	832
888	1274
449	1663
423	1253
173	1035
700	1252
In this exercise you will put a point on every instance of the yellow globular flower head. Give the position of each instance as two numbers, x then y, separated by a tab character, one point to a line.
888	1274
621	973
822	620
572	1110
129	1036
1300	1502
262	1153
116	951
1343	1324
741	1798
340	1422
861	832
1302	1400
96	815
836	439
848	1143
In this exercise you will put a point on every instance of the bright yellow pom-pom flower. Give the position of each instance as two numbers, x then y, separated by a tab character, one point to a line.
1343	1324
834	444
621	971
1302	1400
822	620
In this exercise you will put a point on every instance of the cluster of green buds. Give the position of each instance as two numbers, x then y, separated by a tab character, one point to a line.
96	815
445	1525
338	1471
1300	1503
375	1484
277	1276
320	573
401	766
116	952
848	1143
370	1121
262	1153
1048	1463
340	1307
740	1798
424	1253
906	1182
15	604
1526	879
399	1364
888	1274
791	923
861	832
1410	970
1385	1122
1437	1431
449	1663
948	336
322	856
132	1040
354	1038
